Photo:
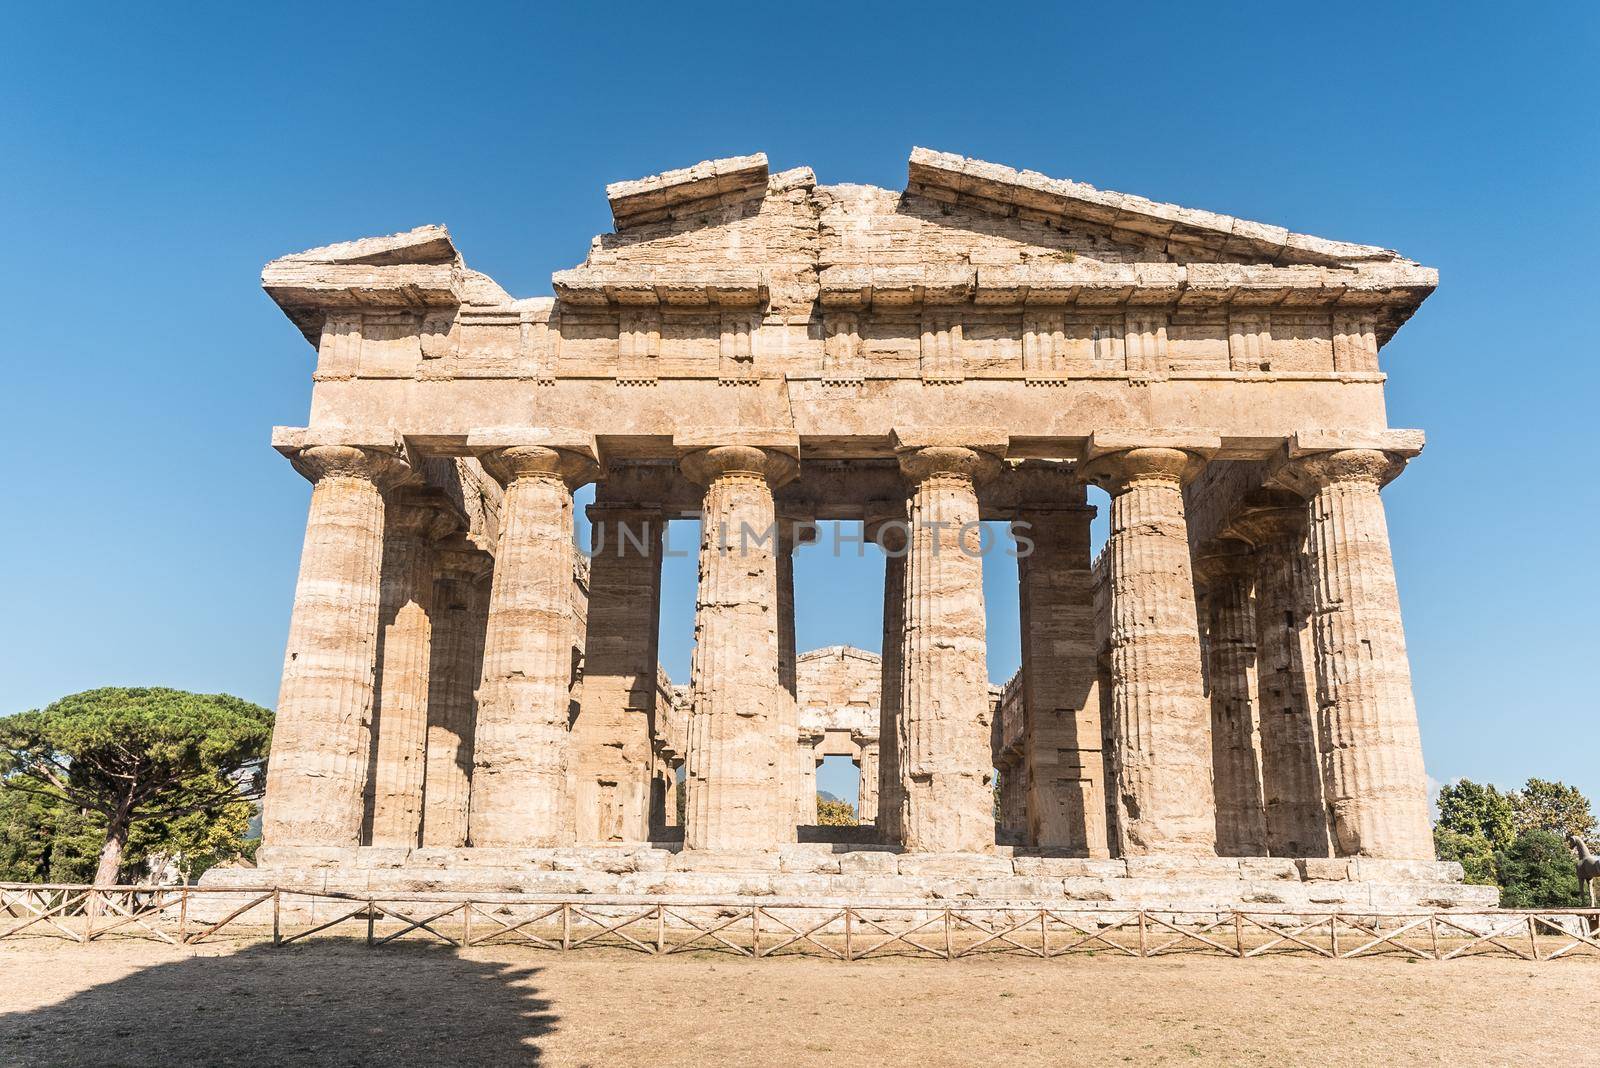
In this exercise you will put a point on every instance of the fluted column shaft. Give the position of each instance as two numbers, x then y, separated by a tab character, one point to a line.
792	532
460	617
891	537
1160	717
612	732
521	744
316	776
400	707
867	798
949	802
1373	777
1062	774
1231	650
1291	772
736	760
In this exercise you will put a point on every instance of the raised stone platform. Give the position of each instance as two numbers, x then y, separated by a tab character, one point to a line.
840	874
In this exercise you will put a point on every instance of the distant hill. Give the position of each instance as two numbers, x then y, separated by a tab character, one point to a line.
826	796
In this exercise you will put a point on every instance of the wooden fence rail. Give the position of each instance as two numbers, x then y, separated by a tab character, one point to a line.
761	927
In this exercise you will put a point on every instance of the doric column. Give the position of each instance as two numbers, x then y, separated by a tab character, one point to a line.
867	802
794	530
949	801
1161	758
737	757
1231	659
415	518
889	530
521	744
316	776
1291	773
612	733
1063	767
460	616
1373	776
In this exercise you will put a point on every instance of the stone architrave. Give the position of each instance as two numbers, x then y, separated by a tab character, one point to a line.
1061	775
1231	660
946	771
612	734
416	517
737	761
1161	737
1373	778
460	617
888	528
521	745
316	777
1291	764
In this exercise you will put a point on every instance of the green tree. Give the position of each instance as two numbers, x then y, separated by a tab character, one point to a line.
1552	806
1537	872
1472	851
45	840
1477	810
137	760
835	813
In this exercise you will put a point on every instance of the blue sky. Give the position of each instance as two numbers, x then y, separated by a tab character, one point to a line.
154	162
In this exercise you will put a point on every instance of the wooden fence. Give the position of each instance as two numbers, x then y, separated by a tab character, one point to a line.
760	928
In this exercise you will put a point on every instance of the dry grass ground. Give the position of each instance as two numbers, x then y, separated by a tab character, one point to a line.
331	1002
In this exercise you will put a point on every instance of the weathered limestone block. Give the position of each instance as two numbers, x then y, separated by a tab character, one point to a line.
737	760
611	736
1231	656
890	534
1373	777
1063	765
1291	773
321	742
460	616
415	518
949	804
1160	717
521	745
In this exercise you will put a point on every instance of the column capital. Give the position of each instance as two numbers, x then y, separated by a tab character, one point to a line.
384	468
886	526
1223	559
1268	516
423	512
1313	459
773	465
1116	459
513	463
1306	475
920	463
459	558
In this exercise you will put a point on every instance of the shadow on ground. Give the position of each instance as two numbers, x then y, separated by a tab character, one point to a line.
313	1005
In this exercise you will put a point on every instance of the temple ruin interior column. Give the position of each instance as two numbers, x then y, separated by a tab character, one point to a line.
1291	774
794	530
946	774
521	744
1161	759
460	616
1226	573
736	751
1062	771
612	734
889	529
867	797
1373	777
413	520
316	777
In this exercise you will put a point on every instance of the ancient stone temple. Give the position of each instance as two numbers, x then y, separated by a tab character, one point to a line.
1216	701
